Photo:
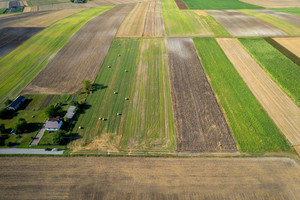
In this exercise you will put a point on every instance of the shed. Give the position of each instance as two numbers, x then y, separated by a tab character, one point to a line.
16	103
53	124
70	113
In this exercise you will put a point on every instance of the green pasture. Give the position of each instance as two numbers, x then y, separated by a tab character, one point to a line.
182	23
251	127
218	4
287	27
20	66
285	72
293	11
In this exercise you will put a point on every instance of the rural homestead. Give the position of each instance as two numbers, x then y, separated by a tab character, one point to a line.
150	99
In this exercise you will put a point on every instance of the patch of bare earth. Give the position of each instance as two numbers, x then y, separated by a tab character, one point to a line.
82	57
180	4
274	3
200	124
239	24
154	24
292	44
281	109
285	16
133	24
148	178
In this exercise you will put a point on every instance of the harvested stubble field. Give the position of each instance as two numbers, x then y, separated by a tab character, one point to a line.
287	76
200	124
287	27
292	44
154	24
251	127
218	4
10	38
274	3
4	4
146	120
149	178
47	19
73	63
239	24
20	66
284	16
282	110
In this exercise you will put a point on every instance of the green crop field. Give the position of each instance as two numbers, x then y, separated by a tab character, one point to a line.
285	72
146	120
294	11
188	23
43	2
251	127
218	4
285	26
20	66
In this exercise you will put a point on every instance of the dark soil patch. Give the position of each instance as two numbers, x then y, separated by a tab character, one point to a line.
181	5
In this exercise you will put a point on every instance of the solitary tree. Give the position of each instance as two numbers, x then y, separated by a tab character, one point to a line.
21	126
52	111
87	85
7	102
60	137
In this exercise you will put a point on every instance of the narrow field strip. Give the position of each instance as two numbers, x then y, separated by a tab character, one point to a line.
82	57
149	124
200	124
282	110
287	27
274	3
284	16
250	125
282	70
183	23
293	10
19	67
292	44
239	24
219	4
133	24
154	24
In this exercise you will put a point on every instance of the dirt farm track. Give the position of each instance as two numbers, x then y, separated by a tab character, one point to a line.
148	178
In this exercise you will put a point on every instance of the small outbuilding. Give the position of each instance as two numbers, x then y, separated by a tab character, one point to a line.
70	113
16	103
53	124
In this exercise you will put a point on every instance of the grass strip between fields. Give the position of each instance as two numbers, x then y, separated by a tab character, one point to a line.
219	4
20	66
283	50
251	127
146	121
289	28
282	70
293	11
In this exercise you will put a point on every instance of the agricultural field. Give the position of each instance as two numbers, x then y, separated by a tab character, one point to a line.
154	24
218	4
281	109
20	66
80	63
287	27
269	58
42	2
293	11
149	178
239	24
146	120
284	16
238	103
292	44
287	4
200	124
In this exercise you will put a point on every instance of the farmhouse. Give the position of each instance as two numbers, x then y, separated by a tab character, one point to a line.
53	124
70	113
16	103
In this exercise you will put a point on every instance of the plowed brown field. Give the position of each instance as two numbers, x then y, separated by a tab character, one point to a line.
201	126
82	57
10	38
239	24
285	16
180	4
47	19
281	109
292	44
274	3
133	25
154	25
148	178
